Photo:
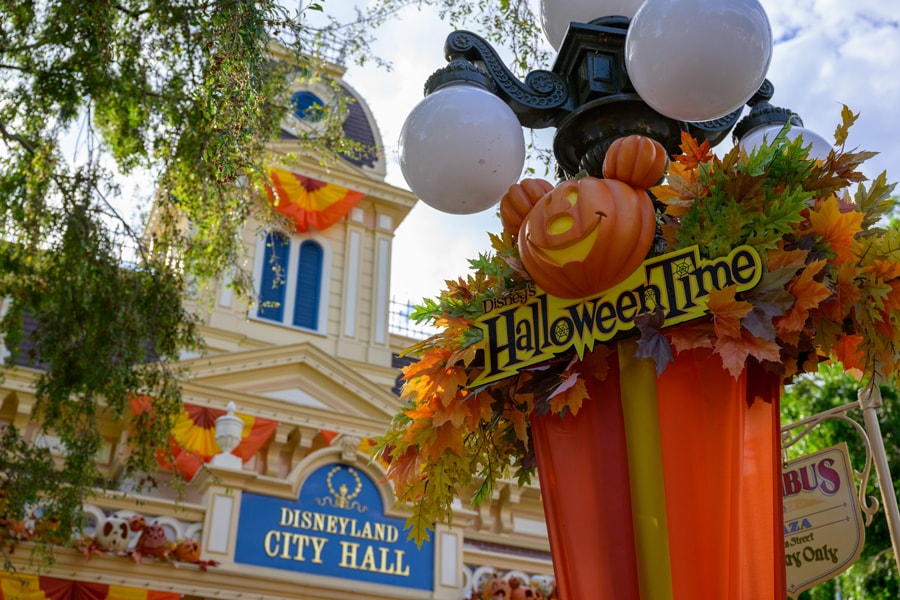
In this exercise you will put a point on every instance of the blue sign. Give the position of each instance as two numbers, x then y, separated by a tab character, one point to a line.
337	527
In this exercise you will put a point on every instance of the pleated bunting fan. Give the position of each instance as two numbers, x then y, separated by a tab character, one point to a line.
193	438
31	587
309	202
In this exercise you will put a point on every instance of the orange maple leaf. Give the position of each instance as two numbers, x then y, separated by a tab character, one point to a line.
885	270
456	411
735	350
570	394
791	323
847	350
778	259
431	359
809	292
692	154
447	437
727	312
422	410
836	228
595	363
846	293
403	469
519	419
693	334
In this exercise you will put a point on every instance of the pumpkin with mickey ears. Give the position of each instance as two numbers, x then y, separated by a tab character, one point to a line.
589	234
586	236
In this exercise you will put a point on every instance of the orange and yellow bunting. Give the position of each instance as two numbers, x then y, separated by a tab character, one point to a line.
310	203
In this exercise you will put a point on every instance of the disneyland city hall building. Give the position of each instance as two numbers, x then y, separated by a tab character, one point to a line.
288	504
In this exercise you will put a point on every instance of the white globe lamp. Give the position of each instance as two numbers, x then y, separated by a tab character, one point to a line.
461	148
698	60
557	14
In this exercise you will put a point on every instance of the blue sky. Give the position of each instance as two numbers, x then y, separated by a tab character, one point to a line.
828	53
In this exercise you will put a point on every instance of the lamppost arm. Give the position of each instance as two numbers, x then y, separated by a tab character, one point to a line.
538	102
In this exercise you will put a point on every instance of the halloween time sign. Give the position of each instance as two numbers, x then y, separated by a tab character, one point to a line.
336	527
530	327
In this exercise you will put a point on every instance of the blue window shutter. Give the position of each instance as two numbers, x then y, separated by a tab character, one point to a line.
309	284
271	288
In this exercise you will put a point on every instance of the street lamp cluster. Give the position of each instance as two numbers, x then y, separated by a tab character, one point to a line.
624	67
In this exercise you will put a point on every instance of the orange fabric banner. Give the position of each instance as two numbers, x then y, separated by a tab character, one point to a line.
583	470
714	518
309	202
721	455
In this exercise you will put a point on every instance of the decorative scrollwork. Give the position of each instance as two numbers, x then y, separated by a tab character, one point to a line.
870	504
722	123
541	91
340	498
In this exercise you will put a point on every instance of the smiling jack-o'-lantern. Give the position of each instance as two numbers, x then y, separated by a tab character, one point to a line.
586	236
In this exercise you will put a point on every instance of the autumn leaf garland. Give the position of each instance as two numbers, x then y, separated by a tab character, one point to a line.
831	289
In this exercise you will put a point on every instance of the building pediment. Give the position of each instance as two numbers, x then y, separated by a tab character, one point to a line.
297	378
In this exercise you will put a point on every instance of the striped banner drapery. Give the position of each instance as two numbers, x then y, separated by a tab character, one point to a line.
193	439
32	587
666	487
309	202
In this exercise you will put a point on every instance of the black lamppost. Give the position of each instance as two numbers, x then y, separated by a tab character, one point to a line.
664	67
657	68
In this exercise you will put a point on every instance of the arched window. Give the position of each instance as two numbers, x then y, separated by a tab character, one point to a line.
307	106
272	280
291	272
309	285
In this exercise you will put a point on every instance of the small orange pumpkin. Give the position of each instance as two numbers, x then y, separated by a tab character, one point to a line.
586	236
637	160
518	200
187	550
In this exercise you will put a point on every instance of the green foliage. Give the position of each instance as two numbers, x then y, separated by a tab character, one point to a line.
177	98
769	186
874	575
